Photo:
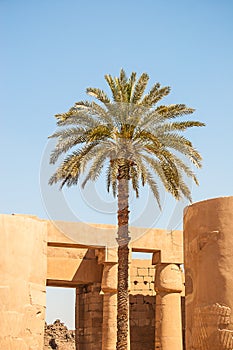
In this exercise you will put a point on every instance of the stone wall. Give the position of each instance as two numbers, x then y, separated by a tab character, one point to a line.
22	286
89	317
142	322
142	275
142	305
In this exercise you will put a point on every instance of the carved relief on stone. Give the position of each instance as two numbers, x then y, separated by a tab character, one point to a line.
208	237
210	325
204	238
188	282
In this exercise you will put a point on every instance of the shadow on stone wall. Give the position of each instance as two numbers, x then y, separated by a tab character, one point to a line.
142	322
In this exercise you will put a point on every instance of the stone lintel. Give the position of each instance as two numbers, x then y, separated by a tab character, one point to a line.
107	255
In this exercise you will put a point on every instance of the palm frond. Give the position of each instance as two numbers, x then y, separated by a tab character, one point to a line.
157	169
68	172
146	136
172	177
155	95
136	152
153	118
182	145
123	78
139	88
167	170
100	132
149	118
77	111
114	165
119	87
177	126
134	179
173	111
82	104
102	155
65	133
184	189
108	176
102	114
130	85
65	145
122	83
98	94
73	164
94	110
136	113
114	88
79	118
154	187
67	138
181	166
170	139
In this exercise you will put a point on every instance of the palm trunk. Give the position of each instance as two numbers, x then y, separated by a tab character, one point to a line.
123	264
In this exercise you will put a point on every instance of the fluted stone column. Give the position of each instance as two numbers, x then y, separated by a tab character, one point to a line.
168	286
208	238
109	288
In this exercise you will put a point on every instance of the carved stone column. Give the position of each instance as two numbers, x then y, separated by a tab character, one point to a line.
109	288
168	286
208	238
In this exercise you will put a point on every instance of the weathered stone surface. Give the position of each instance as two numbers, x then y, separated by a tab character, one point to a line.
170	243
109	278
23	277
142	322
57	336
72	266
90	317
142	276
168	278
208	238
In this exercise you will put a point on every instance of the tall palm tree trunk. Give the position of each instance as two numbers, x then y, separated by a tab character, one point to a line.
123	261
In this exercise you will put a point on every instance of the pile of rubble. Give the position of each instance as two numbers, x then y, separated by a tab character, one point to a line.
59	337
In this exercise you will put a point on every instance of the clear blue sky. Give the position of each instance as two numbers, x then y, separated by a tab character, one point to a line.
52	50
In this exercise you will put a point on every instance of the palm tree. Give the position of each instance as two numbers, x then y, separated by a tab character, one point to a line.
139	141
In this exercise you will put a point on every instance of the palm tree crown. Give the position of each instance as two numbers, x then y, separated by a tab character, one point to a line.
131	132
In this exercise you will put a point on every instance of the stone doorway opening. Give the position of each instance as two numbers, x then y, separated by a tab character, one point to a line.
60	318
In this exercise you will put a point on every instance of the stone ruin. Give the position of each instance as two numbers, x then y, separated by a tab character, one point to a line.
57	336
164	315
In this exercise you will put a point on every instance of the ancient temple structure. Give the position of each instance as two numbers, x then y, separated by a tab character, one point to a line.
35	253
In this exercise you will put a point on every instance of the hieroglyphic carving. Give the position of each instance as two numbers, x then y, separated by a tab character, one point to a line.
210	325
226	338
206	237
